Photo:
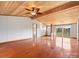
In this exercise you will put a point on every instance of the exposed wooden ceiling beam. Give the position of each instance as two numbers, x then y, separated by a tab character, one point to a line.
59	8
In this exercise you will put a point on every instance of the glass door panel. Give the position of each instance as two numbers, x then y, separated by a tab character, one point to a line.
66	31
59	39
66	37
59	31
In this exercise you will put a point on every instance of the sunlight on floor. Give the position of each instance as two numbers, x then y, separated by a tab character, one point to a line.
63	43
58	41
66	43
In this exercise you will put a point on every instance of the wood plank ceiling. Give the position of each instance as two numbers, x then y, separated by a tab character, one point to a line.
17	8
66	14
52	11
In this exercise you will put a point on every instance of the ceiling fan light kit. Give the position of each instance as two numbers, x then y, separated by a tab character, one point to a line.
33	11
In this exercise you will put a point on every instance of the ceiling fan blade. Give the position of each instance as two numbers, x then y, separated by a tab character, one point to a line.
27	9
37	9
33	9
27	13
39	13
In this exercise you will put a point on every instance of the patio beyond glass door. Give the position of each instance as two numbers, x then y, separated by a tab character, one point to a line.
63	31
59	31
66	31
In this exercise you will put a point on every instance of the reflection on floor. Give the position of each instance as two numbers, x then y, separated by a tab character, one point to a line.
63	42
42	47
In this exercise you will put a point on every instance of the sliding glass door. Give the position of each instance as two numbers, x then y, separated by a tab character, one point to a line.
59	36
59	31
66	36
63	31
63	36
66	31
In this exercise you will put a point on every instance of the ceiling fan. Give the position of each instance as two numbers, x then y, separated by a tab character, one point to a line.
33	11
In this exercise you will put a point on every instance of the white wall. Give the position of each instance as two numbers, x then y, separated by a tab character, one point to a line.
15	28
74	30
78	28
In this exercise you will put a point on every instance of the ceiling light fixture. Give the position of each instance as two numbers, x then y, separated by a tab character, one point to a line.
33	13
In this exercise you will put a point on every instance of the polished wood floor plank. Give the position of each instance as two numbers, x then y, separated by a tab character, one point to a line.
43	47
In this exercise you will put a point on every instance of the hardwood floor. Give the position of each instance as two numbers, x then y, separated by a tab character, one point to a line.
44	47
